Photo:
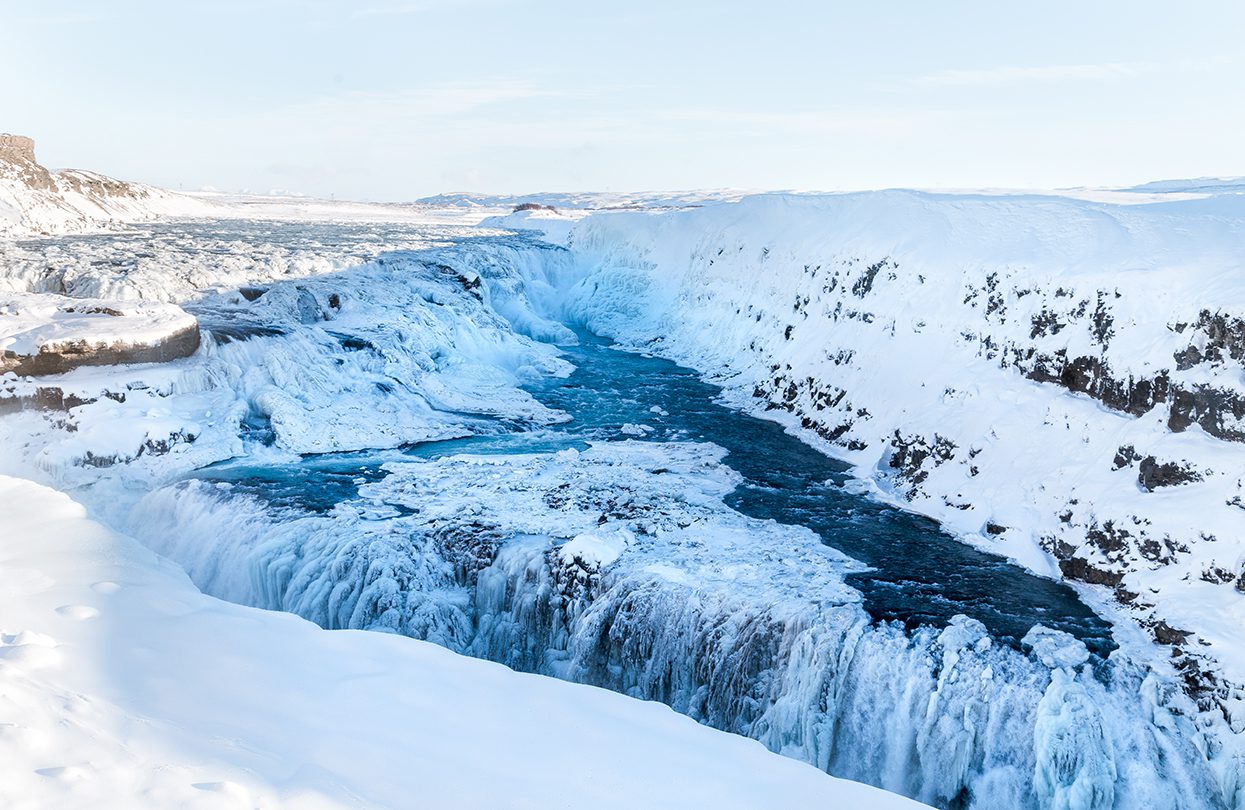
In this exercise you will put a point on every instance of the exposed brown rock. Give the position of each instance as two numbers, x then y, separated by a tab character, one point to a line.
182	343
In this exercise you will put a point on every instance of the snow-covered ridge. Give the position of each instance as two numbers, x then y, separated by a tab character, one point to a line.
34	200
124	687
1057	379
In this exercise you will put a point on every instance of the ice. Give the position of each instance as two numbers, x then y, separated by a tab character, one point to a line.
590	566
402	349
1055	649
1076	764
872	319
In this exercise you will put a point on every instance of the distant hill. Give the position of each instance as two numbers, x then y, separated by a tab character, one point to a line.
1205	185
588	199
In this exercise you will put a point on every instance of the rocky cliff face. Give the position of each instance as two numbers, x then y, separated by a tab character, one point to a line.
34	200
17	147
18	164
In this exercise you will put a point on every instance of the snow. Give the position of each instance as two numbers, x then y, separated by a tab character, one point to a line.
31	323
590	200
125	687
596	550
555	226
290	208
80	201
620	566
905	317
402	348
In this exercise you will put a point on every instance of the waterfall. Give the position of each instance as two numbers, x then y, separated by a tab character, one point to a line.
687	606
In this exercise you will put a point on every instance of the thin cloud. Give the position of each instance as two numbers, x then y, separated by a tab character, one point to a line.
60	19
811	121
1042	73
417	7
432	101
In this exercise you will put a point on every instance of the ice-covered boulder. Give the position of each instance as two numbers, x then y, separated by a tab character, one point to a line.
44	334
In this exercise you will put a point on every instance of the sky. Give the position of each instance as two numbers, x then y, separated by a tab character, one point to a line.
397	99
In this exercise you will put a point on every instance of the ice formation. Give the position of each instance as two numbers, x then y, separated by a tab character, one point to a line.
620	566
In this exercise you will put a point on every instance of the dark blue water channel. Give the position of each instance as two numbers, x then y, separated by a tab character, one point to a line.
920	574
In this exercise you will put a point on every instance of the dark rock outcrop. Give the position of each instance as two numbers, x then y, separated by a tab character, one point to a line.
1151	474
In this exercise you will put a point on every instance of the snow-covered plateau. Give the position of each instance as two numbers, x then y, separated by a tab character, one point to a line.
403	422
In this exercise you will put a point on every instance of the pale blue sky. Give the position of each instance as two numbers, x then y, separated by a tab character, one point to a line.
395	99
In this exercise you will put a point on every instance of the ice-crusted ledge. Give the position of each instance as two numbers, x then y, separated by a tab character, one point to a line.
51	334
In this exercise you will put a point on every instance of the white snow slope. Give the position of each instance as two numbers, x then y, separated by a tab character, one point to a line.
121	686
1067	374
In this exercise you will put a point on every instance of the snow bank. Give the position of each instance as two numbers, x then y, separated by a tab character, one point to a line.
125	687
555	226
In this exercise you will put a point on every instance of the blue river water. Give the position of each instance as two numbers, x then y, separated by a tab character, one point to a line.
919	574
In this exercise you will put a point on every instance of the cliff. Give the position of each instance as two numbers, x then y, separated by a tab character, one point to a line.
36	201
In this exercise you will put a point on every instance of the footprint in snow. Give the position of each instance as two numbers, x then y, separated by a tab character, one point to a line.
65	773
77	612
